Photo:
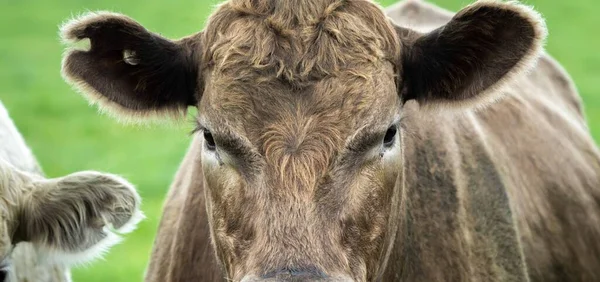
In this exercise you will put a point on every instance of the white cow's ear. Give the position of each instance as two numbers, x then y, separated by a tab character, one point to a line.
73	217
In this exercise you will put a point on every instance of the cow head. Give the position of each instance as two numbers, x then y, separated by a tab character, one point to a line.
70	219
299	115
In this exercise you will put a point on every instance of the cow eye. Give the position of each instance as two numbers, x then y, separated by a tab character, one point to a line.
209	141
390	136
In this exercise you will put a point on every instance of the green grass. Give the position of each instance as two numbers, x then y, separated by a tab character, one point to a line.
67	135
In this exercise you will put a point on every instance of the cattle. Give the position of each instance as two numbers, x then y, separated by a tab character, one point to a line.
337	141
48	225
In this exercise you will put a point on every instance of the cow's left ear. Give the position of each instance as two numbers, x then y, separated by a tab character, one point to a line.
130	70
78	217
482	48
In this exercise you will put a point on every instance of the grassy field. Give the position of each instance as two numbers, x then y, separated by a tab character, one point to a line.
67	135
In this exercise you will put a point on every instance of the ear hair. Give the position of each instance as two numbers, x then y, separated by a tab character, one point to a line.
128	70
466	62
71	218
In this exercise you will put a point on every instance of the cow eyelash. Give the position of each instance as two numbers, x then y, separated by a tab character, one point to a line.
197	128
227	143
207	135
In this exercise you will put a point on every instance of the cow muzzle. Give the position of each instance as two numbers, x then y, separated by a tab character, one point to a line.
296	276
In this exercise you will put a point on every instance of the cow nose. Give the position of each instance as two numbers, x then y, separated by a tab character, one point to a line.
296	276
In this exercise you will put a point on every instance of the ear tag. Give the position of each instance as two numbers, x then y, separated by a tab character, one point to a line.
129	56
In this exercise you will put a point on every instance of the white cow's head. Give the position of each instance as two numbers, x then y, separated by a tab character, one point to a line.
71	218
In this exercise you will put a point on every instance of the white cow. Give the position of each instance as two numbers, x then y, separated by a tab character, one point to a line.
48	225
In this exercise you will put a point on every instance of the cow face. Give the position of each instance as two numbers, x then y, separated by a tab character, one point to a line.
70	219
300	105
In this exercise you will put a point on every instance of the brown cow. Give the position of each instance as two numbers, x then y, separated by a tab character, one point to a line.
335	145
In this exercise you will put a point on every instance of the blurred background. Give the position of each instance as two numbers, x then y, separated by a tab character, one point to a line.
67	135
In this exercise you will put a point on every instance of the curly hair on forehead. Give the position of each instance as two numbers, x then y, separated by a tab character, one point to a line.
297	41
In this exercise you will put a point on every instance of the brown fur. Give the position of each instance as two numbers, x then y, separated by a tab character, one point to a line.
307	179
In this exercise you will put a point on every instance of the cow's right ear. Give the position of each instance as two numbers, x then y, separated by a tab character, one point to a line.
129	70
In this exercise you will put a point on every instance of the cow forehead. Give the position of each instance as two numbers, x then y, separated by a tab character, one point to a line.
342	103
283	41
273	67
